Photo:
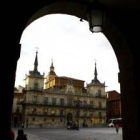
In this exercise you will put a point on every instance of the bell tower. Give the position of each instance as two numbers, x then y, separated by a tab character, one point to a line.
96	87
50	77
34	80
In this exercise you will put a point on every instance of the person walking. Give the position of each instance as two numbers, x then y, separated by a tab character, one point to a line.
77	125
117	128
21	135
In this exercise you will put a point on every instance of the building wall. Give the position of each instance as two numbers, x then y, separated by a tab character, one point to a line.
94	90
113	104
63	81
16	117
44	112
30	81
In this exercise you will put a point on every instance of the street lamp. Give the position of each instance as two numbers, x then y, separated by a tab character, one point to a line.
95	17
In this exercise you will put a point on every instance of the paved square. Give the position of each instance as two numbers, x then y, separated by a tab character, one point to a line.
64	134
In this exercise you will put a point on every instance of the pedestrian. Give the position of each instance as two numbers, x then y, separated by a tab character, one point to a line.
27	123
22	125
21	135
117	128
77	125
68	125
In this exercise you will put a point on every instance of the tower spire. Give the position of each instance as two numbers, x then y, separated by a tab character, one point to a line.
95	80
52	67
36	62
95	72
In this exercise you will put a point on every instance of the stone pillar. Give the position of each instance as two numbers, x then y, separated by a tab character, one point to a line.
10	58
130	107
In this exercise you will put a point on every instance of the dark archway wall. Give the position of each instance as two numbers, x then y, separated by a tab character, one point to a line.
127	78
121	27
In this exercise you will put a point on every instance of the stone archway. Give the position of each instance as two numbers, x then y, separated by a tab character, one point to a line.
120	46
123	47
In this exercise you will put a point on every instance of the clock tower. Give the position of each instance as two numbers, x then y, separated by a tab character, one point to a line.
34	80
96	87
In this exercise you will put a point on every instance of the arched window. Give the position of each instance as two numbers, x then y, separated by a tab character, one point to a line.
100	105
34	111
70	102
35	86
98	94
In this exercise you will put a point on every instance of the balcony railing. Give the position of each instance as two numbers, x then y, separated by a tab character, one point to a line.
58	115
61	105
34	89
45	115
63	92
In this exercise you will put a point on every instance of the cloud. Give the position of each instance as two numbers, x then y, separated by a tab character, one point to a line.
73	48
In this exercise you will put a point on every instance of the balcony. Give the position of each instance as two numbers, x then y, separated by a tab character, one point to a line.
34	89
45	115
62	105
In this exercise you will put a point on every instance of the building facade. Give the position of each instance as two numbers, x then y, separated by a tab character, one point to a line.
113	105
16	117
53	100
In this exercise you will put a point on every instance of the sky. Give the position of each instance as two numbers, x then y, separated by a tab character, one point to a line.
72	47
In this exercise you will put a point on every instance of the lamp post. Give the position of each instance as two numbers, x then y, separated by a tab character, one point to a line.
95	16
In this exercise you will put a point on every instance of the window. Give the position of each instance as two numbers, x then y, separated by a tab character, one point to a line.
91	103
69	101
61	112
45	100
77	113
53	101
34	111
61	120
24	99
100	114
45	111
91	113
34	99
98	94
78	103
100	105
62	102
35	86
85	114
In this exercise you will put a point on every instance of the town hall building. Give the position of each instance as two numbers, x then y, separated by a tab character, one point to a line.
52	100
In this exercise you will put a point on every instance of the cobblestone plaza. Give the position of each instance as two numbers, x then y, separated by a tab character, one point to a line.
64	134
